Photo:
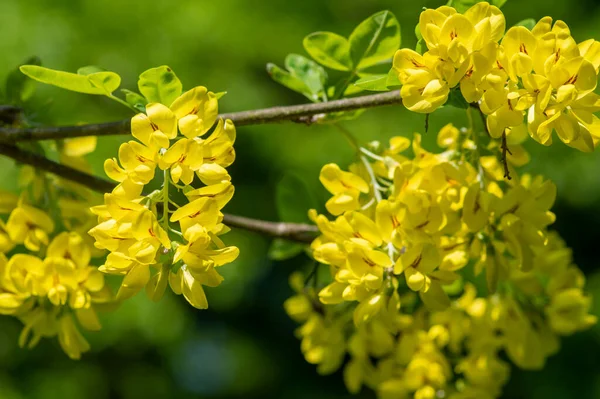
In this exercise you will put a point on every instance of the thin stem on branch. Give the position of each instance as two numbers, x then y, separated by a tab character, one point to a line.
292	231
304	113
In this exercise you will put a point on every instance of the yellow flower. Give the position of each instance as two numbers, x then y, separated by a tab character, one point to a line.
345	186
196	111
29	226
183	158
139	163
156	127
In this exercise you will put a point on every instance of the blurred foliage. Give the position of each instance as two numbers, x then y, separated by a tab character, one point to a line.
244	346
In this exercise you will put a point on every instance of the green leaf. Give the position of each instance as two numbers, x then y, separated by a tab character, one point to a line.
220	94
376	39
281	249
293	199
88	70
418	32
19	88
529	23
373	83
463	5
329	49
288	80
335	117
160	85
309	72
420	47
392	81
456	99
99	83
134	99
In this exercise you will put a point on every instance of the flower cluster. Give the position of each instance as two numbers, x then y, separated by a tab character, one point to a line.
50	292
135	227
537	81
46	277
437	266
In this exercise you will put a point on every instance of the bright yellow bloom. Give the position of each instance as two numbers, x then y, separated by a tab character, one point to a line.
29	226
156	127
196	111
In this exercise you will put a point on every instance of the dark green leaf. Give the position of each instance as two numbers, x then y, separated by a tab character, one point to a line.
329	49
281	249
19	88
373	83
160	85
293	199
456	99
376	39
529	23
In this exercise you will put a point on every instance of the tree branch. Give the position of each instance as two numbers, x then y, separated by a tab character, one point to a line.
299	232
295	113
304	233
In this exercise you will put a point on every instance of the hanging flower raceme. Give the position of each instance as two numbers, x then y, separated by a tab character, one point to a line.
437	266
538	80
47	279
152	241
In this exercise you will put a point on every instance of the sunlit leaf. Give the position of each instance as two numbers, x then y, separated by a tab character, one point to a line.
392	81
134	98
100	83
160	85
220	94
329	49
88	70
373	83
463	5
375	40
288	80
312	74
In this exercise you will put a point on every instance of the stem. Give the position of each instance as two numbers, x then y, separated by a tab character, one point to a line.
475	136
165	192
122	102
376	187
370	154
294	113
299	232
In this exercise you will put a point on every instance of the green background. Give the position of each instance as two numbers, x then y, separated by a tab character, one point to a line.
244	346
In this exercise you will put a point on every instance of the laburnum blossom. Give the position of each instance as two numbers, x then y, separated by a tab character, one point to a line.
447	274
537	80
153	242
55	294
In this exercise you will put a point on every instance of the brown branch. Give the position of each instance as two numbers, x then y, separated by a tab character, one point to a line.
304	113
304	233
505	150
291	231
